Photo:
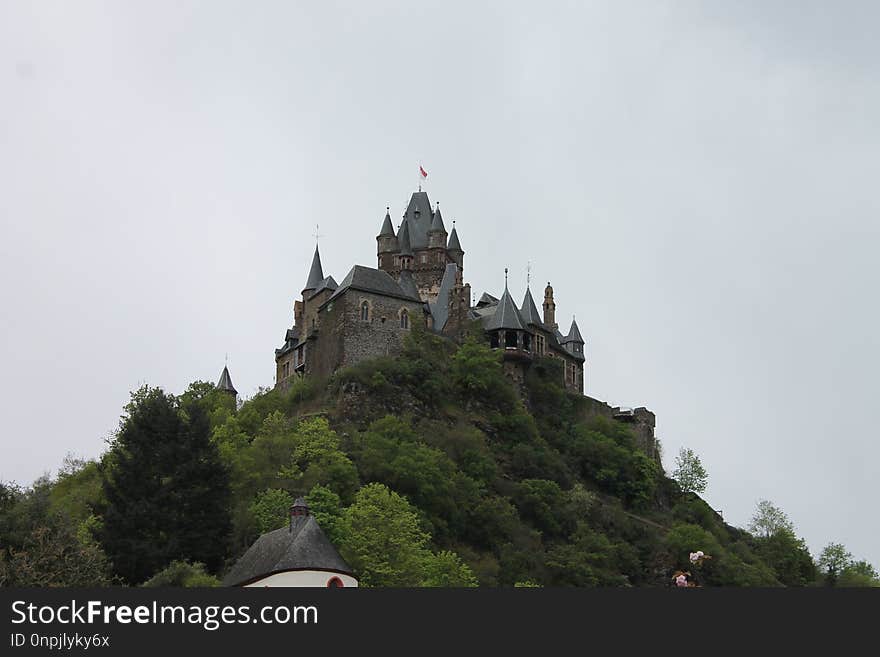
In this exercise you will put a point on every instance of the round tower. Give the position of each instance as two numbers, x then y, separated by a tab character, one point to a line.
549	308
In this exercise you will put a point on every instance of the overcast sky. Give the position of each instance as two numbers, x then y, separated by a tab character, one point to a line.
698	180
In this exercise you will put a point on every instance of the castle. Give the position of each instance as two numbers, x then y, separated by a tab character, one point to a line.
419	278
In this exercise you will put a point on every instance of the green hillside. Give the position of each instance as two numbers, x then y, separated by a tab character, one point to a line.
428	469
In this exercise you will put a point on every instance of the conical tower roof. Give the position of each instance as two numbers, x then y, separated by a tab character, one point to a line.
403	239
574	334
437	222
225	382
316	273
506	315
529	310
453	242
387	227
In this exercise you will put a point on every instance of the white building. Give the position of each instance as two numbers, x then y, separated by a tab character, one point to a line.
297	555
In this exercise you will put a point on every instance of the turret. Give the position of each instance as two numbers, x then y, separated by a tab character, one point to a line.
549	308
573	342
386	243
437	232
454	248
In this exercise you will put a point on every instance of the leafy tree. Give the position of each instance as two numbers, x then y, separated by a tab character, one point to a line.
833	560
859	573
788	556
689	472
271	509
446	569
167	492
182	574
53	556
318	459
326	506
770	520
385	543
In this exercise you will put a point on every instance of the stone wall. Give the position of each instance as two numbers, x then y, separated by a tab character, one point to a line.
382	334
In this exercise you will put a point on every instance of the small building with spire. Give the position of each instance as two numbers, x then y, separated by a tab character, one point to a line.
299	554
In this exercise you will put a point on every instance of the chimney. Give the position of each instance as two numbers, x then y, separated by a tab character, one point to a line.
298	509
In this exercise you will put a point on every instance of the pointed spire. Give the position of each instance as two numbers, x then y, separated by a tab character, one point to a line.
574	334
529	310
225	382
387	227
506	314
437	222
453	241
316	273
403	239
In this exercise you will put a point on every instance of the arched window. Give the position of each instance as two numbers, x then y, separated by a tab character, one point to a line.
335	583
404	319
365	311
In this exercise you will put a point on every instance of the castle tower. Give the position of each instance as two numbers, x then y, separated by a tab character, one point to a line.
387	244
549	308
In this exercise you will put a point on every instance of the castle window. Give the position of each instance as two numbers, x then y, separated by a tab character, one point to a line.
494	341
404	319
510	340
527	342
365	311
424	258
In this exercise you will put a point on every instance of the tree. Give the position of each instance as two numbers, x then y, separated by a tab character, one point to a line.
769	520
833	560
788	556
447	569
859	573
182	574
689	472
166	492
385	543
271	509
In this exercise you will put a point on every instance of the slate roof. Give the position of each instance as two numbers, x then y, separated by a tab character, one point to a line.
387	227
225	382
506	316
403	240
368	279
437	221
327	284
300	546
529	310
316	274
440	308
486	300
453	241
574	335
419	217
407	284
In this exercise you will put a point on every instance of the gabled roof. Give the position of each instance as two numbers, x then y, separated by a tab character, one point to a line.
407	284
316	274
529	310
574	335
486	300
225	382
437	221
300	546
387	227
403	242
506	316
327	284
453	241
368	279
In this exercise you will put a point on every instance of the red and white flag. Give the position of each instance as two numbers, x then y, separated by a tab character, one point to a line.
422	172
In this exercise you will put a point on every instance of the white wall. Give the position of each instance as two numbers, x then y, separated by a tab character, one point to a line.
304	578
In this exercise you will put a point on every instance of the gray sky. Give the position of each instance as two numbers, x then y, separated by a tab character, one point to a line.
694	178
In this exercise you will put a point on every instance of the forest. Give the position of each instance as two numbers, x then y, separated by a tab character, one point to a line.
428	469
